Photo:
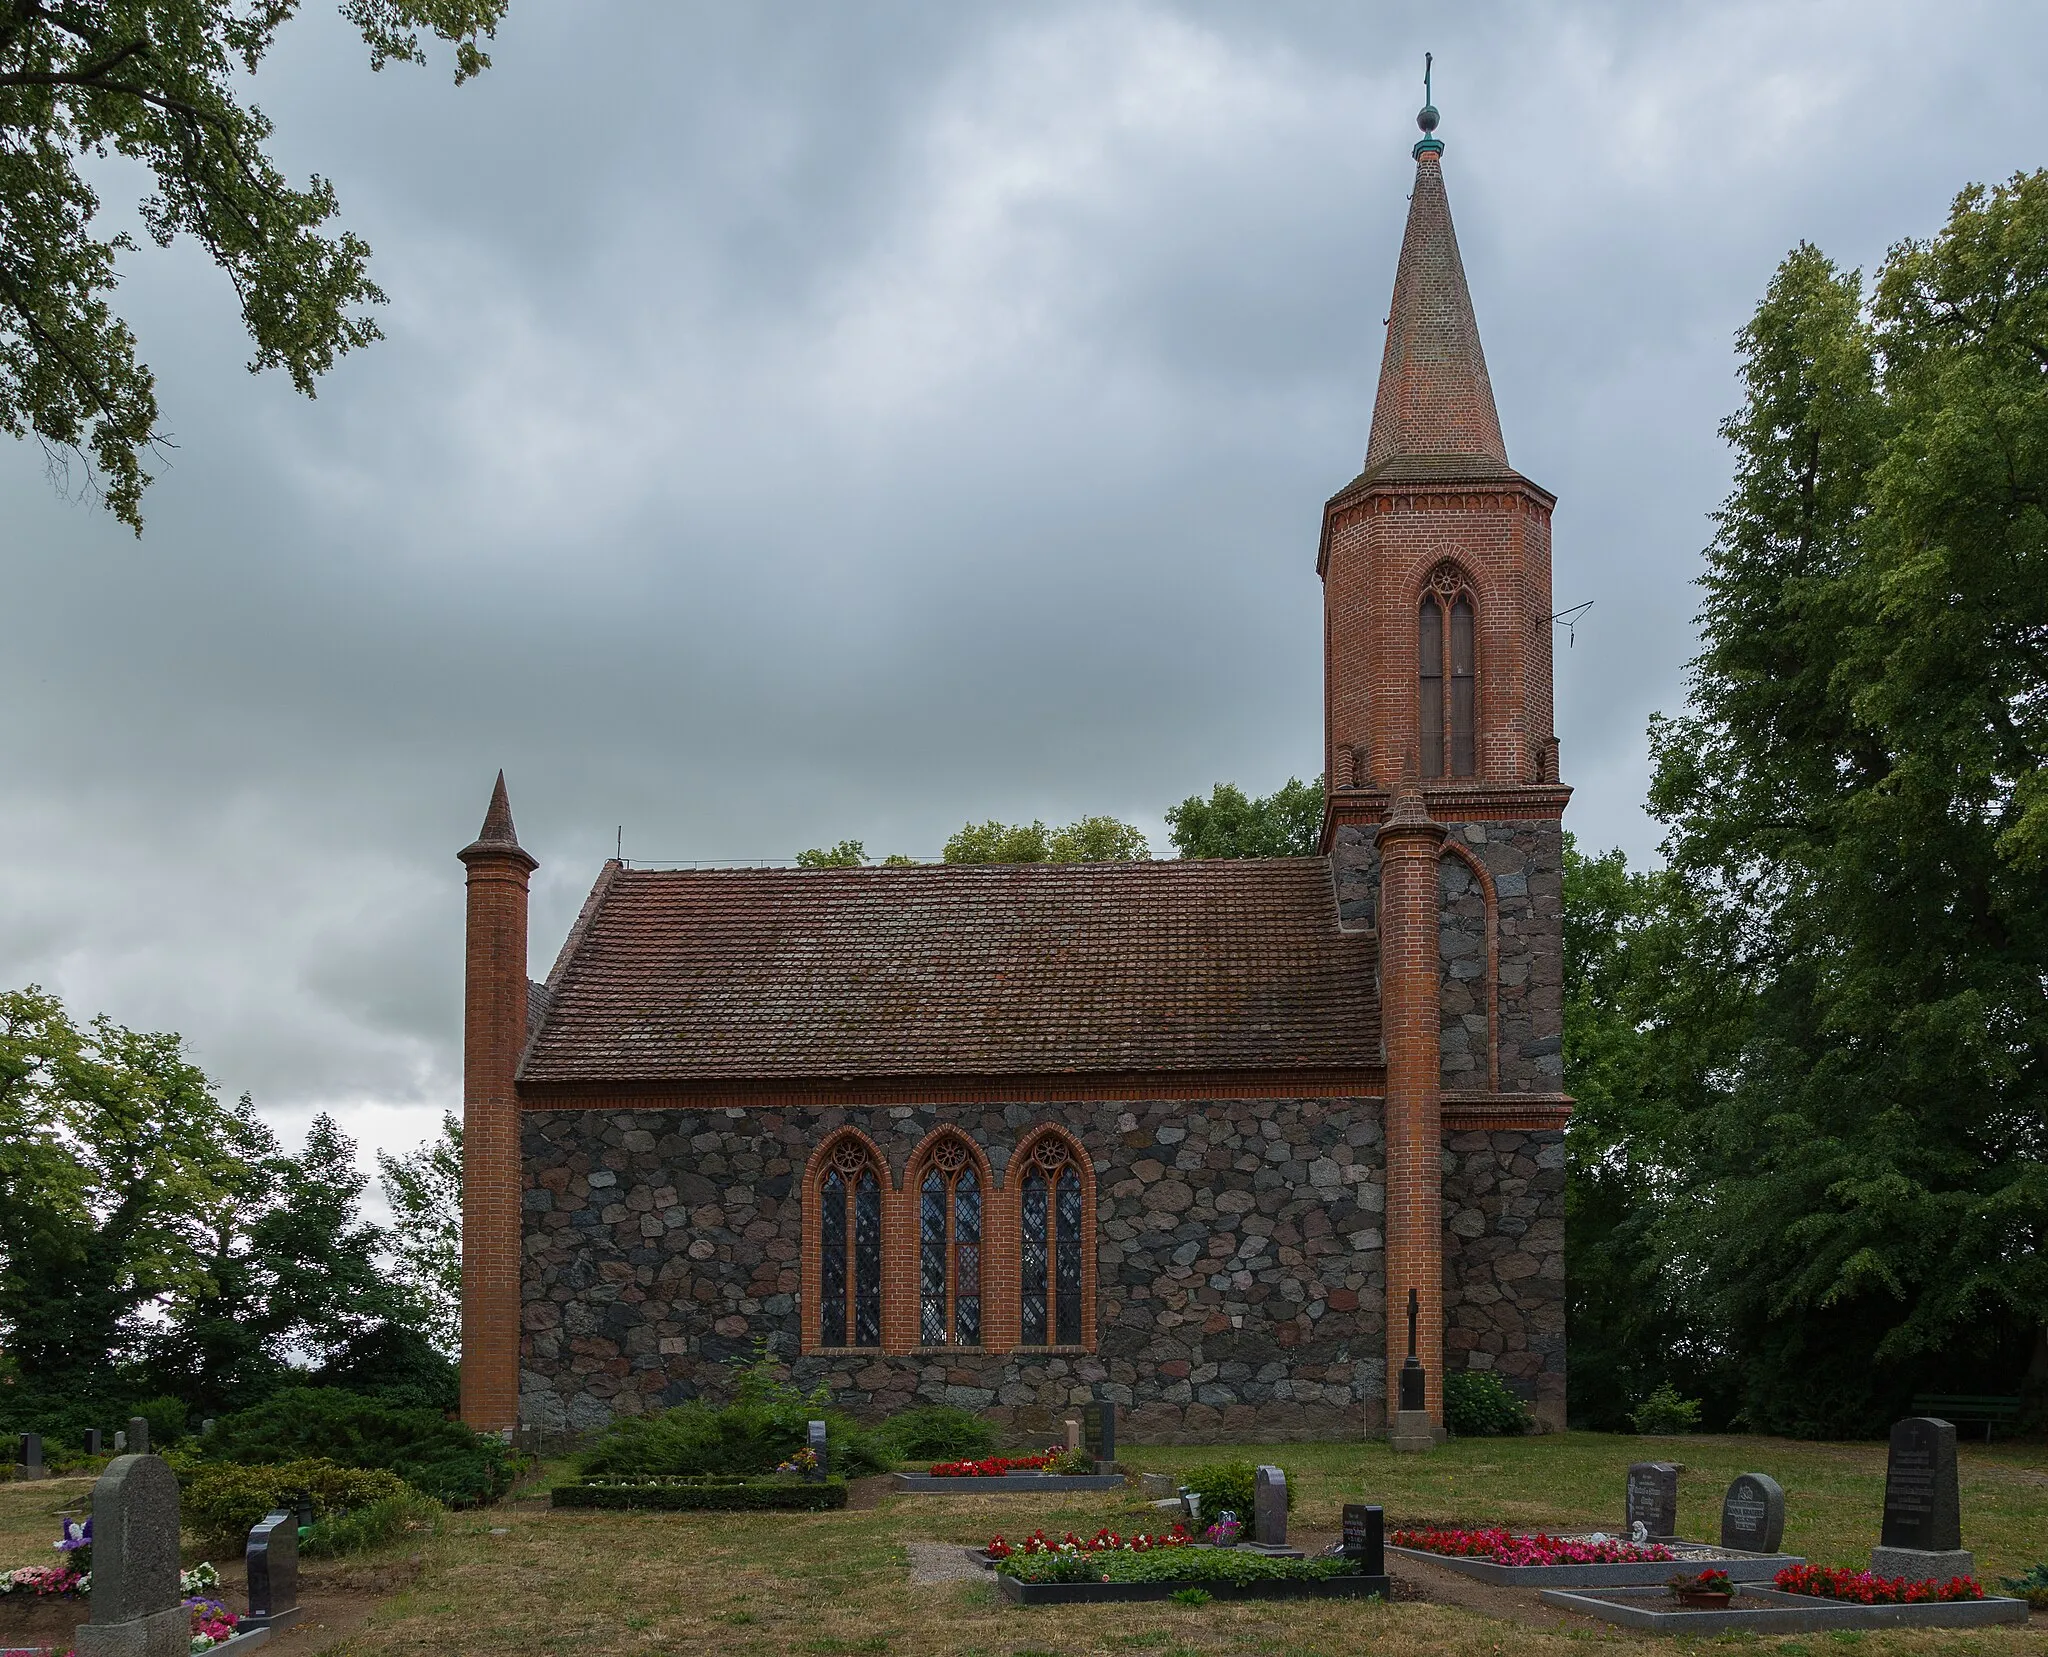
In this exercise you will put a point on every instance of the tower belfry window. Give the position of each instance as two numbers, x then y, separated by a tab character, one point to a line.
1447	703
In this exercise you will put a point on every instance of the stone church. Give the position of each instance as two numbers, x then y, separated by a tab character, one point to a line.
1182	1135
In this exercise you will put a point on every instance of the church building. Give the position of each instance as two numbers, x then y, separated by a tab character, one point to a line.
1182	1135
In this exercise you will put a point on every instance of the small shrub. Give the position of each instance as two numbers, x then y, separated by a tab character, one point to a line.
1192	1596
359	1529
166	1418
2031	1586
1477	1404
439	1458
936	1432
1227	1485
1665	1412
220	1501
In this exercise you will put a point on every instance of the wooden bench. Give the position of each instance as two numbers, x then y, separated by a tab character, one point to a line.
1948	1407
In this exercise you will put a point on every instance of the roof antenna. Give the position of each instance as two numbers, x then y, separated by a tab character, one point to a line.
619	846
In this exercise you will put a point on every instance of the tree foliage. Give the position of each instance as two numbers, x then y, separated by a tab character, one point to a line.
423	1189
1090	840
157	82
1286	823
1831	1103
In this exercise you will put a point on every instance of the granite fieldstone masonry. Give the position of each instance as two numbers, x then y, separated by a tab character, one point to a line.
1504	1261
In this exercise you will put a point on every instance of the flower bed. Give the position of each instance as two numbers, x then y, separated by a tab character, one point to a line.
71	1578
991	1467
1103	1541
1082	1575
1505	1548
213	1624
711	1493
1864	1588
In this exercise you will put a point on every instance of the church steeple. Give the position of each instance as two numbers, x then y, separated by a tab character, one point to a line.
1435	402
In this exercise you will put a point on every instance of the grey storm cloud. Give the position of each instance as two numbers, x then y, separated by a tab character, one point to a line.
807	421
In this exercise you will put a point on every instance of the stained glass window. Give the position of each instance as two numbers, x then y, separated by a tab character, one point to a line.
949	1248
1054	1259
1430	695
931	1281
967	1258
850	1249
1463	755
1447	678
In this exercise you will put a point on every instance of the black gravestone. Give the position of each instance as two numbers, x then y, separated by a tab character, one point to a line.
1098	1431
1365	1537
1922	1504
820	1453
1652	1498
28	1457
92	1442
273	1559
1269	1507
1753	1514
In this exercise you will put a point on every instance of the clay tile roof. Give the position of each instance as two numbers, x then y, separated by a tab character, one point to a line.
1017	970
1434	396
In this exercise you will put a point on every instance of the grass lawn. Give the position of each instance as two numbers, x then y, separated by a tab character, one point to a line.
836	1583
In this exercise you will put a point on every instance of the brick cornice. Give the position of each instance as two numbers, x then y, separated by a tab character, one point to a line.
1367	493
1447	803
1525	1111
824	1092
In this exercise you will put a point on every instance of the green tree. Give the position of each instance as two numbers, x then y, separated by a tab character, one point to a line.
1286	823
1090	840
848	854
111	1142
159	82
424	1191
1853	798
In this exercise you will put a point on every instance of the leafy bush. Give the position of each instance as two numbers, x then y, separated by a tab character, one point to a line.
2032	1586
166	1418
1477	1404
359	1529
393	1365
1227	1485
720	1495
936	1432
1235	1566
1665	1412
439	1458
220	1501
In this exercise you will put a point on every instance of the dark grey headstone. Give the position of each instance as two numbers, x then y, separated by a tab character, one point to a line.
1269	1507
138	1435
28	1456
821	1450
1753	1514
1652	1498
120	1442
136	1608
92	1442
1365	1537
1922	1503
1098	1430
273	1559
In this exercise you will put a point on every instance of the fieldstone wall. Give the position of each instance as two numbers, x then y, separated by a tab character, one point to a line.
1504	1262
1525	861
1239	1264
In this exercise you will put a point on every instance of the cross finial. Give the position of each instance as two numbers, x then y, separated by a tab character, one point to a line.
1427	59
1426	118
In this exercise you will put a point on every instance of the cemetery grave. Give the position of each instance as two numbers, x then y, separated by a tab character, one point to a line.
1085	1462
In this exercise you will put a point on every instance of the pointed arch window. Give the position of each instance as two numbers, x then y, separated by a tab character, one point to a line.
1052	1254
949	1212
1447	681
850	1247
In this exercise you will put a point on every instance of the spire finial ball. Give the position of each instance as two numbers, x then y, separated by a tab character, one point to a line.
1427	118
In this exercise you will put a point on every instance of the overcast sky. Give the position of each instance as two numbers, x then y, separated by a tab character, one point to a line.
811	421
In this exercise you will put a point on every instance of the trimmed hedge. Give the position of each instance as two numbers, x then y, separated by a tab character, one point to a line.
707	1495
221	1500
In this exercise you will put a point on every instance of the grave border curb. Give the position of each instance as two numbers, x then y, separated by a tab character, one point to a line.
1788	1613
1741	1567
1360	1586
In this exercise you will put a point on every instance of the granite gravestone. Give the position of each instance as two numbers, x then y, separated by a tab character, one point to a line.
28	1456
1098	1431
92	1442
821	1453
120	1442
1923	1511
1652	1498
138	1435
136	1607
1269	1507
1753	1514
1365	1537
273	1559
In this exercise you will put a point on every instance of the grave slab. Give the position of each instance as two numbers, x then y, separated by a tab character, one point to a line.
1110	1593
1007	1484
1695	1556
1758	1610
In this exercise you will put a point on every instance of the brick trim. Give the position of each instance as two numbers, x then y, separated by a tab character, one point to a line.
1507	1111
1367	1081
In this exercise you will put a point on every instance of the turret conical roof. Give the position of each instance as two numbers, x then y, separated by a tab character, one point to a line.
1434	413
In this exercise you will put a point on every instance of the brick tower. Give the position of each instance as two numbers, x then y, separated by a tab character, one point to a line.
493	1033
1441	757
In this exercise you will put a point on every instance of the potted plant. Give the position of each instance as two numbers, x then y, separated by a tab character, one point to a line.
1707	1591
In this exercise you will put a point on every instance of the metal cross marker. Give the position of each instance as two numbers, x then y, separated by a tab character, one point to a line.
1414	1311
1427	59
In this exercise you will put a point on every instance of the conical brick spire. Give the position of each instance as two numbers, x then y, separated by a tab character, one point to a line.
1435	403
497	835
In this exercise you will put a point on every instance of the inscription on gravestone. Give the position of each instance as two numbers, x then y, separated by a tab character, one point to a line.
1269	1507
273	1560
821	1451
1365	1537
136	1611
1753	1514
1098	1431
1652	1498
1922	1504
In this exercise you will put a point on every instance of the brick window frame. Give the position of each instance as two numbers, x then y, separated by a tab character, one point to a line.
1048	1138
934	1148
837	1151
